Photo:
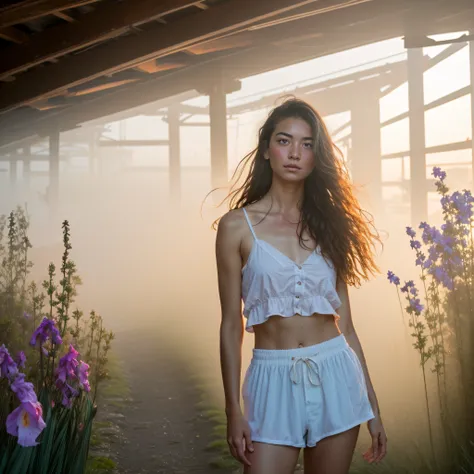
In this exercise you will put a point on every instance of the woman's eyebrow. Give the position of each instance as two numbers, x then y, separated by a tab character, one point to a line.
291	136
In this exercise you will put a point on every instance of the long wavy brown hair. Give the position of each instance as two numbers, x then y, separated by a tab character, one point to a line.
329	210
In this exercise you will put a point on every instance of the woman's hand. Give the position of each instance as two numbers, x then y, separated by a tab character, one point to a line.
378	450
238	437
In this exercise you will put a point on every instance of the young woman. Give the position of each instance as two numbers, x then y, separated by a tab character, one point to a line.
293	241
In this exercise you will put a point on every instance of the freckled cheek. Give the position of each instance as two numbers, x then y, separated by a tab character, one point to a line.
277	154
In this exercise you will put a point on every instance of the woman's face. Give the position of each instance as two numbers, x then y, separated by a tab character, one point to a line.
291	150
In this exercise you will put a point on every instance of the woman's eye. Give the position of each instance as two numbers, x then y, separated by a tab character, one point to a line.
308	145
281	140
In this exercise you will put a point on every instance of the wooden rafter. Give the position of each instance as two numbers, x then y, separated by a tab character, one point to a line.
104	22
346	34
131	50
31	9
13	34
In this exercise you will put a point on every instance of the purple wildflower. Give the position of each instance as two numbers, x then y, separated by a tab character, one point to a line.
428	263
420	259
66	371
26	315
410	232
416	305
415	244
438	173
46	330
8	367
67	365
24	391
26	422
392	278
21	359
408	284
82	373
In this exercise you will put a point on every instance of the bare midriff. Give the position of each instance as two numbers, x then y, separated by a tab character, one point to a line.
279	332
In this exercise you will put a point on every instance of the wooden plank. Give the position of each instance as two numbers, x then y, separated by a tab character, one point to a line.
31	9
106	21
118	143
132	50
13	34
130	101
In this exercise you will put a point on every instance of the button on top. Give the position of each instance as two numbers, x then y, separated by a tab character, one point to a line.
297	296
298	283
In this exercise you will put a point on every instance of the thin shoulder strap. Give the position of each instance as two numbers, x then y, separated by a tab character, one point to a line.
249	223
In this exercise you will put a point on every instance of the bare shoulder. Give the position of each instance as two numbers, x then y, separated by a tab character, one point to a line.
232	222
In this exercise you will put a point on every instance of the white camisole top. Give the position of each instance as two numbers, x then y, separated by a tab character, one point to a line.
274	285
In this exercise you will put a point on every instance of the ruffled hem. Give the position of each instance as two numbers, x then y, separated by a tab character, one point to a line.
286	307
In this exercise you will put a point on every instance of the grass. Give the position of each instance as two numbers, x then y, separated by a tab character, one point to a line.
115	391
99	465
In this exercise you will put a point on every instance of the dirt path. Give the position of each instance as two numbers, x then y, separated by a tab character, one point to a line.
161	429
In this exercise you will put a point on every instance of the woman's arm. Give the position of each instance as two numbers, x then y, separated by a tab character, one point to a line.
229	270
231	329
378	448
346	326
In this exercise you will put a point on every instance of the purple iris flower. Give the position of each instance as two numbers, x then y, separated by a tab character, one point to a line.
24	391
82	373
46	330
26	422
21	360
8	366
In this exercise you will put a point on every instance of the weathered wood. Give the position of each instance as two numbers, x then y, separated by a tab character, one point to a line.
471	87
106	21
236	64
13	34
114	143
132	50
416	109
31	9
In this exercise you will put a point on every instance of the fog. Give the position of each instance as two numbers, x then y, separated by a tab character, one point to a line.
148	267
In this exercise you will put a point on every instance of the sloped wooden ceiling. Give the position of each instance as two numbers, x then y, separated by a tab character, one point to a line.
66	62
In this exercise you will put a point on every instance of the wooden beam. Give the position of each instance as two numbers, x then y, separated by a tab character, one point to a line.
14	35
132	50
113	143
31	9
65	17
16	128
446	147
106	21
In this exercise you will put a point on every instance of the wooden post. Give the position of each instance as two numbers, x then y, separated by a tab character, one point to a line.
52	193
218	120
13	168
174	154
26	152
471	64
366	161
416	113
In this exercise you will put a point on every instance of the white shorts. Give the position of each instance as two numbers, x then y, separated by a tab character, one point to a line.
296	397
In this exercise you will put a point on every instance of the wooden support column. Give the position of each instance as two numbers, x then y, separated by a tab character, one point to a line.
174	154
26	153
13	168
416	113
53	188
471	64
218	120
366	161
93	154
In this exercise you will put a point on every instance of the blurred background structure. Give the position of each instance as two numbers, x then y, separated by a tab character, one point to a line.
121	115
